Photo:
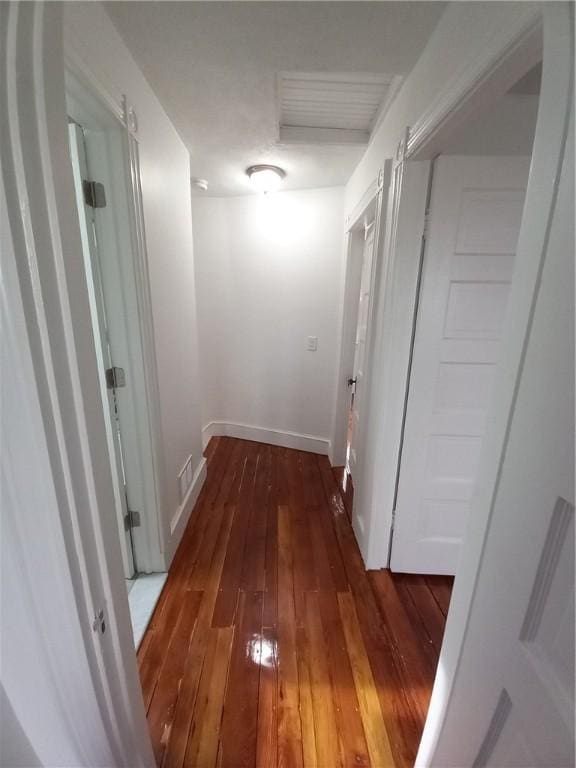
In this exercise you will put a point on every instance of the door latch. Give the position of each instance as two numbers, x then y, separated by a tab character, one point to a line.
351	382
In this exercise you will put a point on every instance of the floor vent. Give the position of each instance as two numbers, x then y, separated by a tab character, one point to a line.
336	108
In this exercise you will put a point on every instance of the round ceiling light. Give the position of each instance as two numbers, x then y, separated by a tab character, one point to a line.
265	178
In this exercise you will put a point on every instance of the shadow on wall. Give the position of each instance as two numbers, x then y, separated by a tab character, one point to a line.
15	749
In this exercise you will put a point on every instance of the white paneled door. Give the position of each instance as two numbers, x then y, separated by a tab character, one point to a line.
358	382
474	221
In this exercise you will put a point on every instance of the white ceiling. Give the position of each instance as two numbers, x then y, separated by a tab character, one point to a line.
215	68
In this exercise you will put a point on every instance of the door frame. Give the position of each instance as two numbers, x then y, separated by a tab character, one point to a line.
372	203
546	34
58	341
511	55
96	110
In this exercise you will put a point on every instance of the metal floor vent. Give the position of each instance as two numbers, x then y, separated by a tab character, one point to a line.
332	108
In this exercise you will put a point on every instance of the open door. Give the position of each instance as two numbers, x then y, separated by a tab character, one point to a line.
358	382
474	221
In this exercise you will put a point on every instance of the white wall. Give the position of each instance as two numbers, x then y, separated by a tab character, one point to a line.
165	170
268	272
506	128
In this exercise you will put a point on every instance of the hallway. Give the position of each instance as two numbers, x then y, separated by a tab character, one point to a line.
270	644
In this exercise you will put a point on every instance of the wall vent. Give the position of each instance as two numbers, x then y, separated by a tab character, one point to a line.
337	108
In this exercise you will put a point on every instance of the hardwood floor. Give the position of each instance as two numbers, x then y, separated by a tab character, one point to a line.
270	644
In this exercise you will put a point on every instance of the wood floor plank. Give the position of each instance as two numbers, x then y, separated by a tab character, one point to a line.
427	607
253	577
326	731
400	711
204	734
418	672
271	646
376	736
225	607
354	749
163	702
441	588
306	705
239	720
270	613
178	739
289	728
267	737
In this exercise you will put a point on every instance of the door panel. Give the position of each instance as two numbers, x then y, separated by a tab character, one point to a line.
360	361
475	213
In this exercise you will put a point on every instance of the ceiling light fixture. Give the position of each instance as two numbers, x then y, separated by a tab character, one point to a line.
265	178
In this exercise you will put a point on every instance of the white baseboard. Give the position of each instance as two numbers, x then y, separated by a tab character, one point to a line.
182	514
262	435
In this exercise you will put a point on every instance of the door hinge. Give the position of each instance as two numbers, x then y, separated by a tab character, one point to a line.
426	226
115	378
94	194
132	520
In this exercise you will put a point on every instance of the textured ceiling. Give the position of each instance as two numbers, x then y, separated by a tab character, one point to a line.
214	66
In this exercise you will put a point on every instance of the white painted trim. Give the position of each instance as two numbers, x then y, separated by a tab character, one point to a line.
512	53
394	328
182	514
283	438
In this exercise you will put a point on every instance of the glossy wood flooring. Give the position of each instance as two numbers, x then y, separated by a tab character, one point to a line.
270	644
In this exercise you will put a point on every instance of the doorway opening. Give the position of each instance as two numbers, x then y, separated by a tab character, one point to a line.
478	184
363	267
100	157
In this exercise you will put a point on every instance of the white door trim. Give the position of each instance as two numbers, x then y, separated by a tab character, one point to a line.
555	106
99	111
511	53
372	202
40	198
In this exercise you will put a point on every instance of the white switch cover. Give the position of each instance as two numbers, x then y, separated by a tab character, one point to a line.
312	344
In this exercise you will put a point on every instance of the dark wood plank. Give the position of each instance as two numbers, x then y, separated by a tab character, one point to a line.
417	669
253	577
163	703
204	735
441	588
354	750
267	738
289	726
240	717
270	613
427	607
232	571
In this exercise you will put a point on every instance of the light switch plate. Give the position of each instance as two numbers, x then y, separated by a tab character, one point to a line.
312	344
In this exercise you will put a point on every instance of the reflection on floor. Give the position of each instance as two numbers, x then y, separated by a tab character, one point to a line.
143	594
271	645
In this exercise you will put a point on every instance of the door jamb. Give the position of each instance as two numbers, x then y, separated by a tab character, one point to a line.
553	28
107	115
372	198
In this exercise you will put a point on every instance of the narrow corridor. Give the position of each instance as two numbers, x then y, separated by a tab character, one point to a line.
270	644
